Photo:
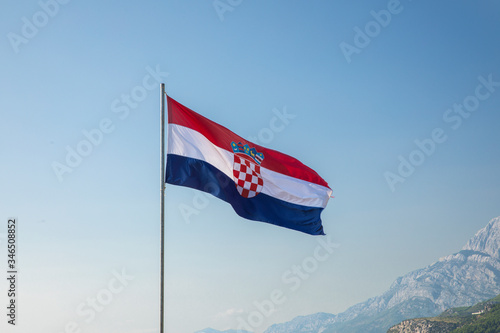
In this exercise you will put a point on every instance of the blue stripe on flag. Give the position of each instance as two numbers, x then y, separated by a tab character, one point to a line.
200	175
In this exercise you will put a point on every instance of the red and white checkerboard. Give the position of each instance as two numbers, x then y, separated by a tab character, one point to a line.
247	176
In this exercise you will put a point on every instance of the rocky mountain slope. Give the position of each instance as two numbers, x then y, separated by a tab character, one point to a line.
461	279
310	324
423	325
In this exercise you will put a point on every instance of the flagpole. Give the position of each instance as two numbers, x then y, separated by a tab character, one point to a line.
162	202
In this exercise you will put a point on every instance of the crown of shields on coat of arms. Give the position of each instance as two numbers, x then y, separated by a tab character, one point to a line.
246	170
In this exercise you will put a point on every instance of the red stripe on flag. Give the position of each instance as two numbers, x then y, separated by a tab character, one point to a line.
222	137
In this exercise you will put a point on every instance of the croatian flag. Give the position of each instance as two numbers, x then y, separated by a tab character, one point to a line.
261	184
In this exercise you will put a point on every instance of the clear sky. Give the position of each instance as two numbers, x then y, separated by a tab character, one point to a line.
395	104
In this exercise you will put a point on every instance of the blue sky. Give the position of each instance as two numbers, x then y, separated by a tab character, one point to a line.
89	239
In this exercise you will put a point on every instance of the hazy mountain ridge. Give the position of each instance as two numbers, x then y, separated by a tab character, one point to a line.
314	323
461	279
211	330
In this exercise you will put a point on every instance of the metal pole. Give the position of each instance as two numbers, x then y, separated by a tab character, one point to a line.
162	200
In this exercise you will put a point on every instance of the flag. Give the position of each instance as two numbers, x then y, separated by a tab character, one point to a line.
260	184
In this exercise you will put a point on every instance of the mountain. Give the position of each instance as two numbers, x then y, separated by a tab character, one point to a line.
482	317
461	279
211	330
